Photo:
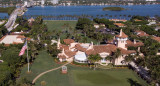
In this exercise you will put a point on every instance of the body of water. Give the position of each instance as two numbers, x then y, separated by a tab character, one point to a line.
3	15
92	11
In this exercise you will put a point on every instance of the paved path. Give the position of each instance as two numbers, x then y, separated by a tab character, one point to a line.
41	74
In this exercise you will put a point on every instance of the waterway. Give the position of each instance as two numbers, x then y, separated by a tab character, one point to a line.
91	11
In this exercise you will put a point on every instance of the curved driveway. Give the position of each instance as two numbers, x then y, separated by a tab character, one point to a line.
41	74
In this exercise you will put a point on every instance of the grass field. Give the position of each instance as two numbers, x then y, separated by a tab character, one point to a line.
42	63
59	25
115	77
78	76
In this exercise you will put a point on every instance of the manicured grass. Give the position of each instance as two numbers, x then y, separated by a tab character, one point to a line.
63	26
59	25
42	63
105	78
78	76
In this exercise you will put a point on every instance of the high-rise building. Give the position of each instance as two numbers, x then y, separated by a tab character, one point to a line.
42	3
54	1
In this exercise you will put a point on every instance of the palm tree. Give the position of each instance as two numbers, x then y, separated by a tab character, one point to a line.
99	37
129	58
94	59
116	54
110	58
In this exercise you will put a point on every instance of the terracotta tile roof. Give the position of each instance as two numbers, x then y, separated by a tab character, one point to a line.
70	53
156	38
137	20
62	56
65	47
17	42
109	48
115	20
123	51
28	39
80	48
122	35
130	43
68	41
21	36
119	24
141	33
3	37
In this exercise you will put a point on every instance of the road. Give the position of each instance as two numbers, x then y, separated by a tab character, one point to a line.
11	21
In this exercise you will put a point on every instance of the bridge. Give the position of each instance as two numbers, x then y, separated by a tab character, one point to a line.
11	21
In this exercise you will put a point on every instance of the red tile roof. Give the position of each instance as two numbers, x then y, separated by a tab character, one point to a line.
70	53
115	20
80	48
156	38
123	51
65	47
62	56
68	41
122	35
119	24
101	48
130	43
21	36
141	33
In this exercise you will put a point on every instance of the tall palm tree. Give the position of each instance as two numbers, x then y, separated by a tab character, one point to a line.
110	58
94	59
116	55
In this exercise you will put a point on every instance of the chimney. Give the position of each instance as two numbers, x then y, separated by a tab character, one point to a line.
58	43
139	48
135	41
63	51
121	32
91	46
114	38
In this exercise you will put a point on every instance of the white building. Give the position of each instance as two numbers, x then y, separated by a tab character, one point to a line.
151	0
79	52
54	1
12	39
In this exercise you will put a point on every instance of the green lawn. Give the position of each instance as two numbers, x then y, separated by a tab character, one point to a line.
42	63
59	25
78	76
105	78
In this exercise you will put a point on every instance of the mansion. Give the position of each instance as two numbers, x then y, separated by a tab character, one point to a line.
79	52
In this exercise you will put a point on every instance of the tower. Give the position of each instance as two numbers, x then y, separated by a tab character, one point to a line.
58	43
121	40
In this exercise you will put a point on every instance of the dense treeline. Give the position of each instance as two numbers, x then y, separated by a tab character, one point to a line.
113	8
88	29
11	68
8	10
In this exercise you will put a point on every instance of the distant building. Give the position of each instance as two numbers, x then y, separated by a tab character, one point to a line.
99	25
13	39
119	24
151	0
54	1
118	20
141	33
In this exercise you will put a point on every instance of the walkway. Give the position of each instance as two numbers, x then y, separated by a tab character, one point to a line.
41	74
